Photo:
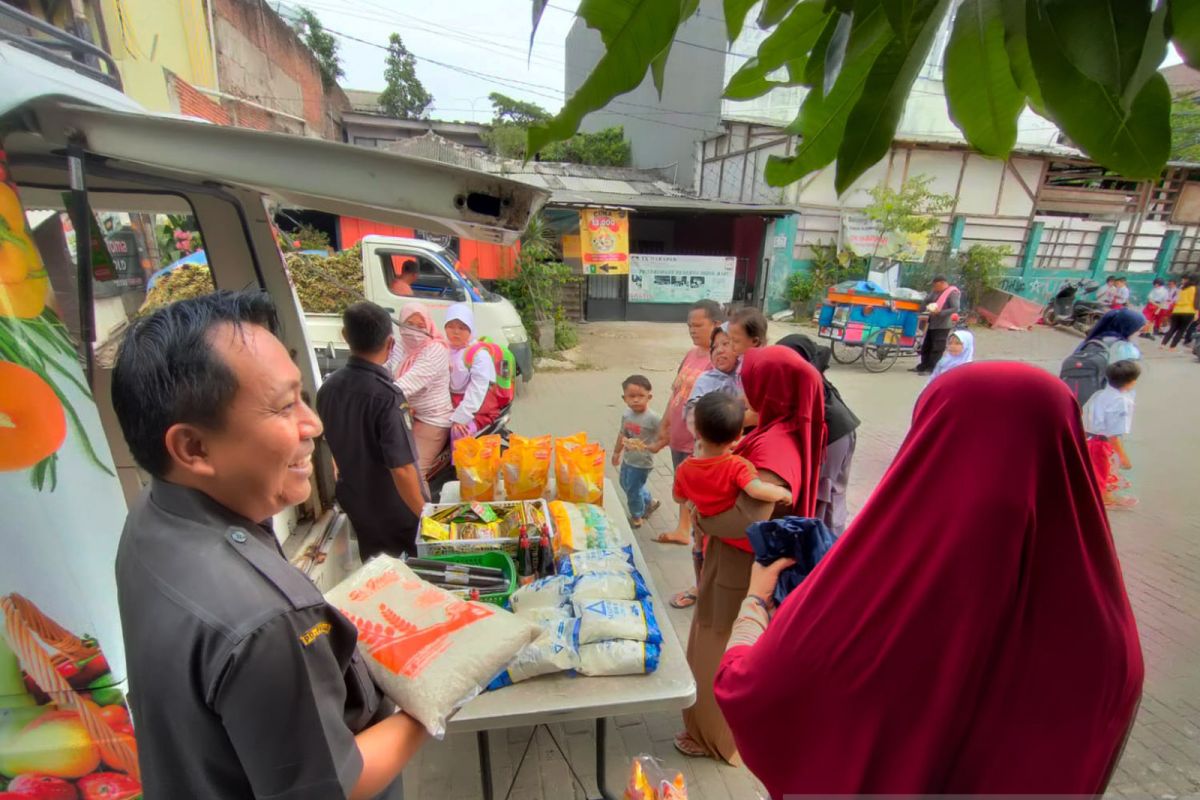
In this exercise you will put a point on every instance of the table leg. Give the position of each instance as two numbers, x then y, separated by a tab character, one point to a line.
601	740
485	764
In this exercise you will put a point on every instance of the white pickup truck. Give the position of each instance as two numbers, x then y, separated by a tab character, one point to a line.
439	285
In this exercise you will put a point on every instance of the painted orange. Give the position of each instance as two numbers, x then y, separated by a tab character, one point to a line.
14	265
32	422
24	299
481	259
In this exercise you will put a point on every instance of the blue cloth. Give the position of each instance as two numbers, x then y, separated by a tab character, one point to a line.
803	538
633	483
1120	323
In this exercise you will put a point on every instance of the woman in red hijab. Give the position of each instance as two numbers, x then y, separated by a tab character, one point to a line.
976	642
785	448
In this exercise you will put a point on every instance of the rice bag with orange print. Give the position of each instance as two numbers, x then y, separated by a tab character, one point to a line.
477	464
526	467
561	445
428	650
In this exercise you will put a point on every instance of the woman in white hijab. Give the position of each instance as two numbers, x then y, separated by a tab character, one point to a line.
472	375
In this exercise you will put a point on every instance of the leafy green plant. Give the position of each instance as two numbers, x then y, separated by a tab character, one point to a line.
305	237
533	290
1185	129
981	268
177	237
800	287
1089	66
510	125
910	210
323	46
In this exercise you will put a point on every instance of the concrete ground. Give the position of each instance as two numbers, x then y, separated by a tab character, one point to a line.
1159	545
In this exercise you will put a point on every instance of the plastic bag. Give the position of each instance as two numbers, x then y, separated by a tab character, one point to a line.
599	560
615	585
617	657
582	526
477	464
579	470
648	780
546	615
601	620
542	593
526	467
556	650
428	650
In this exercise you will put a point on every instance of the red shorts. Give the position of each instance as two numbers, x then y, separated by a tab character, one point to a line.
1154	314
1101	453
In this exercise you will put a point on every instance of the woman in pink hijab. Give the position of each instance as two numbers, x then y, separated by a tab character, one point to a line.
422	371
977	641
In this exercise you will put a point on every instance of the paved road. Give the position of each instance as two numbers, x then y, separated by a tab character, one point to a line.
1159	544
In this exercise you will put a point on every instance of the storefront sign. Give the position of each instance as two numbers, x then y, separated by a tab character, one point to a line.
863	237
681	279
604	241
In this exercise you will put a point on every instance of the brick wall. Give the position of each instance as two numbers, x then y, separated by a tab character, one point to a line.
193	103
260	58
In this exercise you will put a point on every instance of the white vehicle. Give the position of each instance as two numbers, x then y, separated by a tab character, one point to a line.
439	285
70	141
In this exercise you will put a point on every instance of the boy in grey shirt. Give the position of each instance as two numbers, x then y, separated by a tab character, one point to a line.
637	442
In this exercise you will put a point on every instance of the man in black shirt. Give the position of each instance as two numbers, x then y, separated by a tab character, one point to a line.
942	304
245	683
369	430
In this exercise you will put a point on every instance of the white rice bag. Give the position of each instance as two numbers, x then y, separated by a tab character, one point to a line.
600	620
609	586
546	615
428	650
556	650
617	657
586	561
544	592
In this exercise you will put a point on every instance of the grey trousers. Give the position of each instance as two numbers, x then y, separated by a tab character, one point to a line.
834	478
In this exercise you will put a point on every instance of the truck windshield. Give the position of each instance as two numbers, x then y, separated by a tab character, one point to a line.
449	258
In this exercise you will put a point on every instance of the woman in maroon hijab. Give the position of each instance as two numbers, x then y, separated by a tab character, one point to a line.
976	642
788	394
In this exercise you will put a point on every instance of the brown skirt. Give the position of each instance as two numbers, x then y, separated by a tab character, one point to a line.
724	579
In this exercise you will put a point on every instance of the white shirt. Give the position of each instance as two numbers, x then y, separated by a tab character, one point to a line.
1109	412
1159	296
471	383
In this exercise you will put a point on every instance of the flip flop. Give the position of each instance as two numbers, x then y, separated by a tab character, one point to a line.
685	599
666	538
688	746
654	506
635	522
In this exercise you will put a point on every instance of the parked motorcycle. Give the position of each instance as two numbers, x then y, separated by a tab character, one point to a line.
441	471
1067	309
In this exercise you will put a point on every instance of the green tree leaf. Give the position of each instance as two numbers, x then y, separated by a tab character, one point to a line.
1135	140
1184	22
1154	50
872	123
658	67
821	123
981	93
773	11
634	33
1018	54
539	7
900	14
323	46
1102	39
788	44
735	16
814	66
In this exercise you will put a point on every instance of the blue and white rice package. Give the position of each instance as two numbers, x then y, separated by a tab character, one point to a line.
546	615
618	657
556	650
618	585
586	561
542	593
600	620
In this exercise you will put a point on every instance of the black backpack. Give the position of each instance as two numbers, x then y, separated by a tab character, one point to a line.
1084	370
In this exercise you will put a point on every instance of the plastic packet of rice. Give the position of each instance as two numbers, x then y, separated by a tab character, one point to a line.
618	657
600	620
618	585
586	561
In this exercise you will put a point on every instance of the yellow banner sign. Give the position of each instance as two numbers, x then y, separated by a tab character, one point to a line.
604	241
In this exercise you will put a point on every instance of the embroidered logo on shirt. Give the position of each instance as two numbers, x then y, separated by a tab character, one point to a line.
310	635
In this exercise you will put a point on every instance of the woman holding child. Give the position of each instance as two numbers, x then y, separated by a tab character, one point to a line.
785	451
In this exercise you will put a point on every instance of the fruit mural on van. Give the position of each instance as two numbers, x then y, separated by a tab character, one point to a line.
65	729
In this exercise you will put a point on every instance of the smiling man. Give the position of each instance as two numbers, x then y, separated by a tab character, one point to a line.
244	682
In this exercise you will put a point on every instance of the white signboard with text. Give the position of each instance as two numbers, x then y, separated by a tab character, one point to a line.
681	279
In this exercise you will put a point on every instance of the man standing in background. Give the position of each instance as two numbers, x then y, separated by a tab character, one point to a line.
942	304
369	430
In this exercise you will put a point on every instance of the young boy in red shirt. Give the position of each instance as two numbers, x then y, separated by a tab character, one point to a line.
712	479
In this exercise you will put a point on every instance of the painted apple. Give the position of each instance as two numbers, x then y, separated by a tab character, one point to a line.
43	787
56	744
109	786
